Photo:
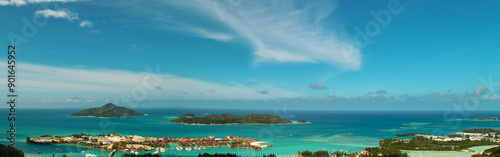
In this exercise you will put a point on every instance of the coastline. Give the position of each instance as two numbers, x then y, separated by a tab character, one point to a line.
426	153
486	120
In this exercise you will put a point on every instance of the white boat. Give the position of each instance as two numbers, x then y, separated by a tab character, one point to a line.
162	150
189	148
90	155
136	153
179	148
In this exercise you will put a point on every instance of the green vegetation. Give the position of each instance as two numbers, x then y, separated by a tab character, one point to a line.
108	111
488	118
190	114
483	131
368	152
233	119
321	153
492	152
301	121
422	143
9	151
407	134
389	152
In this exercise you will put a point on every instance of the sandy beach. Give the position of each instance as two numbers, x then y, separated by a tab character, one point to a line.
258	143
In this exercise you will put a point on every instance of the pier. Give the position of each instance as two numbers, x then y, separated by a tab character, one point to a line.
112	153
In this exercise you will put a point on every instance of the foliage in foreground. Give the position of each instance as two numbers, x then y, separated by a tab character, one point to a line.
9	151
422	143
372	152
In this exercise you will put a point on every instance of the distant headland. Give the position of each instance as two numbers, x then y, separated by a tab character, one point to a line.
229	119
487	119
109	110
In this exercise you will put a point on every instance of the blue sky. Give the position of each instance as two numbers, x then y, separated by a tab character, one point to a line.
255	54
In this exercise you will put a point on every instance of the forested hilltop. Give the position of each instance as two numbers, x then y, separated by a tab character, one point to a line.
109	110
220	119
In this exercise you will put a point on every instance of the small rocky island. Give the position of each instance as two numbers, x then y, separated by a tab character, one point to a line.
487	119
109	110
228	119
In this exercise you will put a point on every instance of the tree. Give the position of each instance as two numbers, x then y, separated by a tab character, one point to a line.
10	151
306	153
322	153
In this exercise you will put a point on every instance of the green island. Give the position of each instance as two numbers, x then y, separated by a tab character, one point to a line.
226	119
487	119
109	110
301	121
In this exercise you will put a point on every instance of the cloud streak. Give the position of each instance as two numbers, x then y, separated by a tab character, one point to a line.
68	15
63	14
278	31
26	2
102	84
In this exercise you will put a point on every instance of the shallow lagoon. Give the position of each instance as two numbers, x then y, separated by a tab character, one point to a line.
330	130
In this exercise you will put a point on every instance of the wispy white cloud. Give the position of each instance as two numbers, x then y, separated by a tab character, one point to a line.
209	34
99	84
86	24
480	90
63	14
26	2
68	15
494	97
278	31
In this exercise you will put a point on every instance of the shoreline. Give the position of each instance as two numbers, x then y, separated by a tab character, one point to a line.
468	153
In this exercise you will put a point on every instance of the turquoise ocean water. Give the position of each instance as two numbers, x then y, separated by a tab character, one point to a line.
330	130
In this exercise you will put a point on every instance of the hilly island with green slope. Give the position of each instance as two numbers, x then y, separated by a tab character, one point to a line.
109	110
225	119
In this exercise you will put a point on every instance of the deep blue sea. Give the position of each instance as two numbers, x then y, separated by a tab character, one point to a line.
330	130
